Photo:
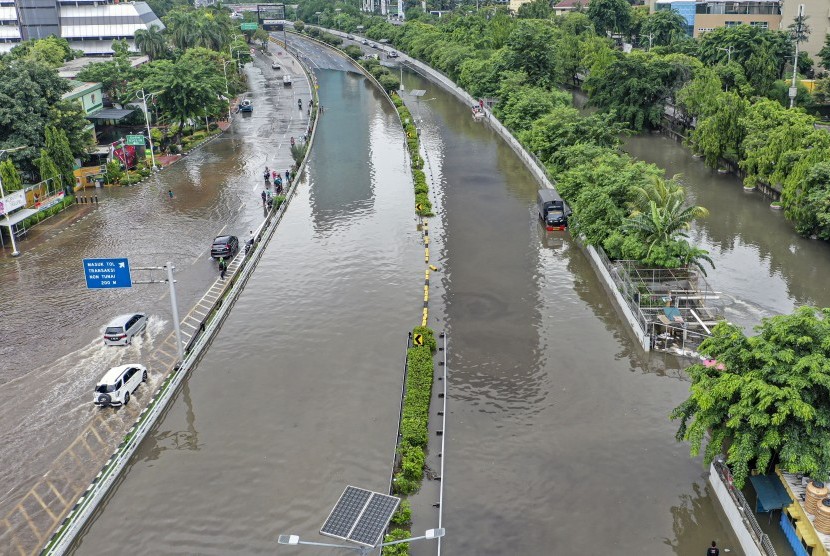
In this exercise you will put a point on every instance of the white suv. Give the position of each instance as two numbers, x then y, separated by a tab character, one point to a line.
118	384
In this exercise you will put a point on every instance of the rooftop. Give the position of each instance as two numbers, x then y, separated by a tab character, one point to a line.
572	3
73	67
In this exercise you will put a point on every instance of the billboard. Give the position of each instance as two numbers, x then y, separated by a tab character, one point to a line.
271	16
13	201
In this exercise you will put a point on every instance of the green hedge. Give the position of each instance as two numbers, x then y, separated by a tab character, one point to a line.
413	146
415	418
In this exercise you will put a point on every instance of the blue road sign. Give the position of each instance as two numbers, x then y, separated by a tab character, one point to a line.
107	273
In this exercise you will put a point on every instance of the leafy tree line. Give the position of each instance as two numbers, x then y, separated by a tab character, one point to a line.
33	115
622	205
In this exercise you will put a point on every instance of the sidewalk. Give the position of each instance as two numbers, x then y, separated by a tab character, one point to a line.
47	229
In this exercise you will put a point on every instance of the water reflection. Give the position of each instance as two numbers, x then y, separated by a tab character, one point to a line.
159	441
340	193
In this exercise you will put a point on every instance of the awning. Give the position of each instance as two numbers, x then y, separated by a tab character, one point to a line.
771	493
16	217
111	114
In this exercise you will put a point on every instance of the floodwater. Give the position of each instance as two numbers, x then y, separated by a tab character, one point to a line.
298	396
51	326
762	267
558	438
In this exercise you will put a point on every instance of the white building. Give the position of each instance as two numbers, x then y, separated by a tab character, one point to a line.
88	25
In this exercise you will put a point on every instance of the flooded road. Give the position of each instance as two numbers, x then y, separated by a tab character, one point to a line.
298	395
51	325
559	438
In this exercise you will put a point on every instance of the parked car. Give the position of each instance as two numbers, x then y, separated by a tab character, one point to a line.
350	37
224	247
121	329
118	384
275	66
364	41
393	53
286	80
372	45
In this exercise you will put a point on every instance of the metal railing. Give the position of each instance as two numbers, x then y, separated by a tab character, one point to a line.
746	510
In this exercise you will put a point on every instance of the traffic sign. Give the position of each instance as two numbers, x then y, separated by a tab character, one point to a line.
248	26
419	206
418	339
135	140
107	273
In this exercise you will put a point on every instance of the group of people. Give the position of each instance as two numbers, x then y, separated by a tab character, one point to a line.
267	196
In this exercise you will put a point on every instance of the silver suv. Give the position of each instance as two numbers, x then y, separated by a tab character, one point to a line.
121	329
118	384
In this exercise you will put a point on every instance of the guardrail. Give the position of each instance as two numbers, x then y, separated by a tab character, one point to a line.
97	491
746	511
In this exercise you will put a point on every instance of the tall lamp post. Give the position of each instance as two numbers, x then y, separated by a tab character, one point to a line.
143	98
227	90
15	252
798	22
294	540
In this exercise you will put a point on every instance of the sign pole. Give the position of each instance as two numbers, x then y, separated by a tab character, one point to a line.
169	267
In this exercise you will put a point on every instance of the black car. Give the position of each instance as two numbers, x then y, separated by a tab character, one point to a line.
224	246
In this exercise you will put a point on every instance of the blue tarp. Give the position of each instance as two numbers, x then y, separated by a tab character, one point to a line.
771	493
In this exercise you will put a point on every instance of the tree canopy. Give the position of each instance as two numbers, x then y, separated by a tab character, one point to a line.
766	399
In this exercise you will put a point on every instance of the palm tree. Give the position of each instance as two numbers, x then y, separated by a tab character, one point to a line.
151	42
182	27
661	217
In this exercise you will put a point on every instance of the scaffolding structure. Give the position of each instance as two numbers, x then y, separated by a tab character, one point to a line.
675	307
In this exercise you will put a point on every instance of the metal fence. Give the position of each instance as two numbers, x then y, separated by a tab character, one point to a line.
747	511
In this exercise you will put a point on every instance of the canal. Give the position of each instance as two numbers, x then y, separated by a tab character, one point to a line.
298	396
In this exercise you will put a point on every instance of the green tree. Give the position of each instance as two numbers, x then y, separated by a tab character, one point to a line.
354	52
537	9
114	75
30	99
529	49
637	87
188	87
721	129
523	105
10	176
695	99
151	42
51	51
824	53
767	400
57	145
46	167
660	28
610	16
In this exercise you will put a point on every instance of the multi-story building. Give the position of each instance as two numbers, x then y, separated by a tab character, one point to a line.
685	8
88	25
711	14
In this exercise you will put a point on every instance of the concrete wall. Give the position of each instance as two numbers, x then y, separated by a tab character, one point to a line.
706	22
734	515
819	23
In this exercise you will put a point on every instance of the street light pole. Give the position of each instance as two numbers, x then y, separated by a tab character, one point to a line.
143	98
799	19
728	51
15	252
227	90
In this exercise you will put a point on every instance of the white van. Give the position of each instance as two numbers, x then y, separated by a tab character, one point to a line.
286	80
121	329
116	387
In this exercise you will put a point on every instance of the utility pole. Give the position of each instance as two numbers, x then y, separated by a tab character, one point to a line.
143	98
798	21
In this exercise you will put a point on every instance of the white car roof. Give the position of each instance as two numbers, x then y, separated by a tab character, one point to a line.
121	320
115	373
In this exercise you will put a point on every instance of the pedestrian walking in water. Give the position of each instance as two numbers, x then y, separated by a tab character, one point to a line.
287	176
274	174
223	266
263	195
170	192
713	550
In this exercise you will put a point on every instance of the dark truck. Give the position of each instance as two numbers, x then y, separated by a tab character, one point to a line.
553	211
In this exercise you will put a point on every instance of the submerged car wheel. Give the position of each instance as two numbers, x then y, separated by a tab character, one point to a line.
144	377
126	398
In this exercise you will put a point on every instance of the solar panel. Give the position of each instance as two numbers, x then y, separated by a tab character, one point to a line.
360	516
418	92
372	523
